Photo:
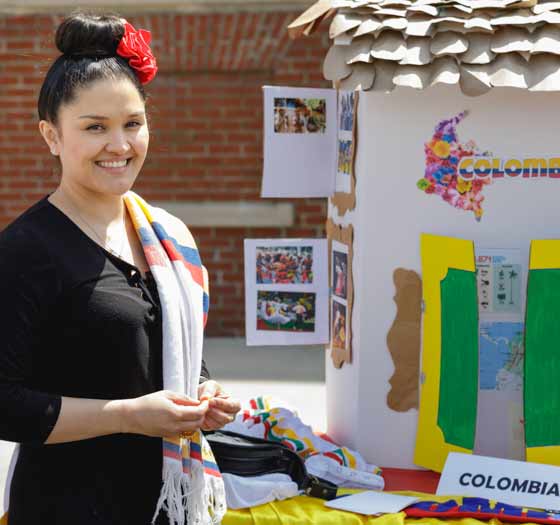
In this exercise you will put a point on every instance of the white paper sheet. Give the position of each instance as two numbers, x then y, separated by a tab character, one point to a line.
300	133
286	291
371	503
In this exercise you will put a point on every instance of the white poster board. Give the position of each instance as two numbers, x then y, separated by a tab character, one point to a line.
286	291
300	130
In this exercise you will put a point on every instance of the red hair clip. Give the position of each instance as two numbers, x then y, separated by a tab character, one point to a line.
135	47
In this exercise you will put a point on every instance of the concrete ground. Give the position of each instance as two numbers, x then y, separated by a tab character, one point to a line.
295	375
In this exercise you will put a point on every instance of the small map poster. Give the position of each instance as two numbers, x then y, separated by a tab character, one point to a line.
501	277
501	356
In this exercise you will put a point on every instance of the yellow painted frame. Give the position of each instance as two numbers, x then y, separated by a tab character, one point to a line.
438	254
544	255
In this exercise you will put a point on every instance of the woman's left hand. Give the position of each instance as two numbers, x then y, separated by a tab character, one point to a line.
222	409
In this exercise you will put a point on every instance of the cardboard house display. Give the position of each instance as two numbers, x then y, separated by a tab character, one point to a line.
453	210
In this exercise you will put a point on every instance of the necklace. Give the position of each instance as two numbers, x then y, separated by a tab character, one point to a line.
104	243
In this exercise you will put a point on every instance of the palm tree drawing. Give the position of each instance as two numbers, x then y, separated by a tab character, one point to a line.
512	275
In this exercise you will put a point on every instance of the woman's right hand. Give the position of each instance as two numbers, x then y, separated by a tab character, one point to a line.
162	414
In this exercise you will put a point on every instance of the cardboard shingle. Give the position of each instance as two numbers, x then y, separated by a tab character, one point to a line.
343	22
546	40
509	70
368	26
545	73
389	45
417	51
444	71
416	77
335	67
448	43
362	78
360	50
475	80
479	51
384	73
511	39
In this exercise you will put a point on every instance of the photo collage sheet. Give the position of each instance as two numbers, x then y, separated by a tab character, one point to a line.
339	296
344	197
300	133
500	274
285	293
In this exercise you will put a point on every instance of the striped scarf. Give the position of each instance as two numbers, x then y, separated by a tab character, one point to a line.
192	483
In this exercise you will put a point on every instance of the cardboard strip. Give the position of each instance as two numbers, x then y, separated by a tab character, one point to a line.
542	365
403	341
319	10
439	256
343	235
347	201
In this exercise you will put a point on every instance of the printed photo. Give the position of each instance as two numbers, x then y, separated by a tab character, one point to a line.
300	115
284	264
338	325
339	273
286	311
345	153
346	110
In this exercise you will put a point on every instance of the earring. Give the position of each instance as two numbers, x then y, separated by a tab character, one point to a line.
53	152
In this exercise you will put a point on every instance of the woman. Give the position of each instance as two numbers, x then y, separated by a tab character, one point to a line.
81	353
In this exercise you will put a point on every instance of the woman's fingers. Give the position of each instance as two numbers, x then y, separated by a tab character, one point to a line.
225	404
193	413
216	419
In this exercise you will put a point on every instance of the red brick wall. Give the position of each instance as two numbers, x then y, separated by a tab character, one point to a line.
206	125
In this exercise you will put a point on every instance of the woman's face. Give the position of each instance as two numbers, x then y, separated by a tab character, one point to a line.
101	138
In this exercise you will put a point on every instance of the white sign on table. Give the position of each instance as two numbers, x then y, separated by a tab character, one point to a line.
515	482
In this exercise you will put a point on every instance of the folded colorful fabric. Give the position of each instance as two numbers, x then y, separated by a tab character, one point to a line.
191	479
267	418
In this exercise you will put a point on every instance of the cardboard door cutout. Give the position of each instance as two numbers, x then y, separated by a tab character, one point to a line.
542	347
449	377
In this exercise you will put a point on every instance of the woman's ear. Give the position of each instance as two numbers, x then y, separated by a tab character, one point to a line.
50	134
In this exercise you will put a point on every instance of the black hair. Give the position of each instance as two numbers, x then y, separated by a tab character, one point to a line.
88	44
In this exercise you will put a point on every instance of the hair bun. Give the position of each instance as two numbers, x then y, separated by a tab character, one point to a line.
89	35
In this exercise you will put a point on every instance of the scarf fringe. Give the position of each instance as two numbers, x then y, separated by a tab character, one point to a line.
198	499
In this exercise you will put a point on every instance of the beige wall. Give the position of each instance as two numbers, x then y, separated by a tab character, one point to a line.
187	6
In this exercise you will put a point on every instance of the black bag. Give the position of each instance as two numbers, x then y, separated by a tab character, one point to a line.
249	456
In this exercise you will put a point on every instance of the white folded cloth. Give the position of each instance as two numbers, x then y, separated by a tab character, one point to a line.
243	492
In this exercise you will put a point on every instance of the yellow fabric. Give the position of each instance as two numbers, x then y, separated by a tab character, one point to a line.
303	510
438	255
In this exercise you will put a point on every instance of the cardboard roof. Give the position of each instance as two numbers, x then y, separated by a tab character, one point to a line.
478	44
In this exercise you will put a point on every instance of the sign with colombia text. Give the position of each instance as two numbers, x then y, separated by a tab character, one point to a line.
515	482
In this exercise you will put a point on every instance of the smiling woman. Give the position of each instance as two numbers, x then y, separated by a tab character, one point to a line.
88	345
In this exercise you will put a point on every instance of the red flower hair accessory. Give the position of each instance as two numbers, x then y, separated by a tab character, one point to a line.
135	47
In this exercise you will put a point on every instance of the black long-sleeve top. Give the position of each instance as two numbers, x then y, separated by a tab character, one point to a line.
75	321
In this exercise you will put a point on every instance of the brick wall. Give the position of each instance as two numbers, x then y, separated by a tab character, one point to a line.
206	124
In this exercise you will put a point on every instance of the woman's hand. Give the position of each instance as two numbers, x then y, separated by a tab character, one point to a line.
163	414
222	409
